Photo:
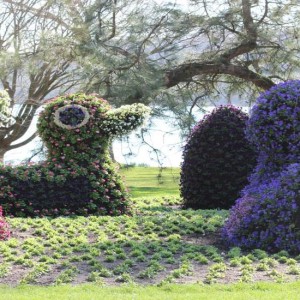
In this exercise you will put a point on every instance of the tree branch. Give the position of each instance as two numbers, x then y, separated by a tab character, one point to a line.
41	12
185	72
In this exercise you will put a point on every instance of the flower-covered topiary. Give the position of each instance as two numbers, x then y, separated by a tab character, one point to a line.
216	160
273	220
274	124
270	218
78	176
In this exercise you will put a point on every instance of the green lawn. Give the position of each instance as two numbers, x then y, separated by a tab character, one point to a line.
150	182
258	291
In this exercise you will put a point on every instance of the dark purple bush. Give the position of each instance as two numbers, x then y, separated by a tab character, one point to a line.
216	160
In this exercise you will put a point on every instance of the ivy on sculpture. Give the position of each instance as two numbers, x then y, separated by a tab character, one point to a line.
78	177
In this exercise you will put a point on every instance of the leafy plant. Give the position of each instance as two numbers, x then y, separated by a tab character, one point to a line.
214	272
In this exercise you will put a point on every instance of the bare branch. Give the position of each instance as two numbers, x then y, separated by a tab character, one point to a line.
41	12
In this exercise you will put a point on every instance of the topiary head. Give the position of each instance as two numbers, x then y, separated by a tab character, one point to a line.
274	125
79	126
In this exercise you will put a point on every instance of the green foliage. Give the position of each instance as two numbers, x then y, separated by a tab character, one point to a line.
216	160
75	249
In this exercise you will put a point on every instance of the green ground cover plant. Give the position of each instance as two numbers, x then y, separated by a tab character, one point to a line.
158	246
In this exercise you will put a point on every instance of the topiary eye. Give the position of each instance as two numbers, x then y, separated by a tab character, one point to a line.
71	116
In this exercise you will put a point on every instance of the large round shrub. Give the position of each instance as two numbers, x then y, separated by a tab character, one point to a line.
216	160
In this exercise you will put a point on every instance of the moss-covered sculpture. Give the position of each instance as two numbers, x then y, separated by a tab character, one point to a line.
78	176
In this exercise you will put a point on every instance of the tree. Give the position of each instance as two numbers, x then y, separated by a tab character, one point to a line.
172	57
35	64
254	41
242	45
180	59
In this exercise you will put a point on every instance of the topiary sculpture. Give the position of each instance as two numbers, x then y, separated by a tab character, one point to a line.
78	176
216	160
272	221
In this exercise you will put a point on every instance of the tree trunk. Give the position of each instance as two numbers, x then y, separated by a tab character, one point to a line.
2	152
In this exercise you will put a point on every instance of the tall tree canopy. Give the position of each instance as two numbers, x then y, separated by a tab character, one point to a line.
173	57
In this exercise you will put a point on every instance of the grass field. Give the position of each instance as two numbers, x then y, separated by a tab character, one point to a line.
241	291
150	182
160	252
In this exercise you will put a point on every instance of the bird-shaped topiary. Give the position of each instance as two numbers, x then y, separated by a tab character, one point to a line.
216	160
78	176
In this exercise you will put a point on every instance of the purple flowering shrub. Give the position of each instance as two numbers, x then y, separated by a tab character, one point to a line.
274	124
78	177
273	220
216	160
268	219
242	207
